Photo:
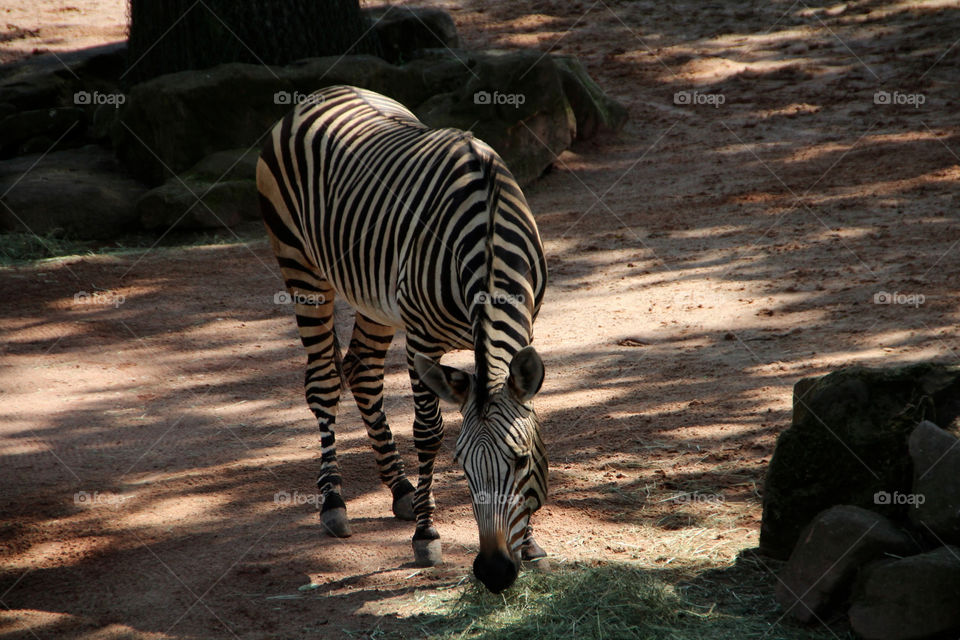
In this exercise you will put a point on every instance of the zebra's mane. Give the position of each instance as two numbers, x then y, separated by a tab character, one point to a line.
482	364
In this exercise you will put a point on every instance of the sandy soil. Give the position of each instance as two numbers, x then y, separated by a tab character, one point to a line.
30	27
702	262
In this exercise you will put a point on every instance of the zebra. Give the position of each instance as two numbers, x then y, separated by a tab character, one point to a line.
424	230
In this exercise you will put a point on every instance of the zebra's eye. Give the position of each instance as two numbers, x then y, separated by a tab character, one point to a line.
522	461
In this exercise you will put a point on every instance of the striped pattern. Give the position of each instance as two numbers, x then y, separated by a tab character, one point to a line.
420	229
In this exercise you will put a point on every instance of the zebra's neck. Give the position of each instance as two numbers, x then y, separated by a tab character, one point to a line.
501	271
502	311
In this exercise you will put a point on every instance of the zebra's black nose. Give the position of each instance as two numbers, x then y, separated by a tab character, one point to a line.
496	570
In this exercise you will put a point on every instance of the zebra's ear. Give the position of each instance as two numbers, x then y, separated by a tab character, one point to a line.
452	385
526	373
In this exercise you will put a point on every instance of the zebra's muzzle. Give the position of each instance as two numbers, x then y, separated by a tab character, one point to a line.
495	570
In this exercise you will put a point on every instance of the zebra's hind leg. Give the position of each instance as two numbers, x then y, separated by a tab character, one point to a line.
427	436
313	299
363	371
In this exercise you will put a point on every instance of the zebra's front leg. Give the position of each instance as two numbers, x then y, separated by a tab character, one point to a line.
530	551
363	370
427	436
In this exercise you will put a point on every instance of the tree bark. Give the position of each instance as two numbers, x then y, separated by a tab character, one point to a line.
175	35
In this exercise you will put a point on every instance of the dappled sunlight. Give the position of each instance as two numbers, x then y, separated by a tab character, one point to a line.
806	154
701	261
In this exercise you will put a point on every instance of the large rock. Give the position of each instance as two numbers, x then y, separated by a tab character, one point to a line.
220	190
49	81
102	61
170	123
515	103
80	191
595	111
847	444
912	598
48	125
404	30
936	483
818	577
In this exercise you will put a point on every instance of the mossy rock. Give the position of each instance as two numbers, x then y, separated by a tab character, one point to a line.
171	122
512	101
595	111
219	191
848	441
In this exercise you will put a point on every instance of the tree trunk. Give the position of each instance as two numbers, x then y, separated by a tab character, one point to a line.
174	35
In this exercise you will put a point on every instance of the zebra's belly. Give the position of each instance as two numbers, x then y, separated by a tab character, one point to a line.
384	311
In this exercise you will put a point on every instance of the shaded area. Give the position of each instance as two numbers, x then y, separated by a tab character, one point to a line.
701	263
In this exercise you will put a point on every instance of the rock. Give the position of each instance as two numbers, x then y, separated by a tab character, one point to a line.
595	111
403	84
831	549
226	183
233	164
104	119
909	599
936	483
50	80
515	103
403	30
18	128
40	144
80	191
36	91
847	444
103	61
46	96
170	123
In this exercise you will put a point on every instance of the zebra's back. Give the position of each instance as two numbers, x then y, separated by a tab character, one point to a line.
389	211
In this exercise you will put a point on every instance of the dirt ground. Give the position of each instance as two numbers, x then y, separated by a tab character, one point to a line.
158	457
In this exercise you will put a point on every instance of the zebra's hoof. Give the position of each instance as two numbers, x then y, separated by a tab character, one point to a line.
541	564
427	553
403	507
335	523
531	551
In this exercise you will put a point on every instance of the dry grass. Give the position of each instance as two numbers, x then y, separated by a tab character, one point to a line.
611	601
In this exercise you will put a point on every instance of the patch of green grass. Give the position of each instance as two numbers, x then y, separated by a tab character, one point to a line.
20	248
26	247
612	602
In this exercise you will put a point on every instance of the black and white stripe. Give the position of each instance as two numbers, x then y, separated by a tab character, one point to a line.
425	230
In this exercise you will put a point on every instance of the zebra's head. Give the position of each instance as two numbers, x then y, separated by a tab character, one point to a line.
502	455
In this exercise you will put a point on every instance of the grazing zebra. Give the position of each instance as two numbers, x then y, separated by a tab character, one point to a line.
425	230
